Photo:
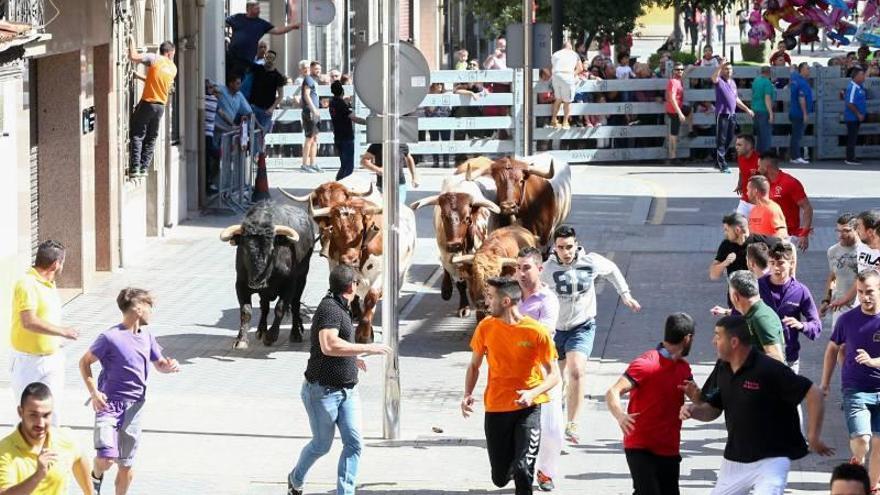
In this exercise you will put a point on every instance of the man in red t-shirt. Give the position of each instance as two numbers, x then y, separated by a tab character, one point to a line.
789	194
657	382
747	159
677	112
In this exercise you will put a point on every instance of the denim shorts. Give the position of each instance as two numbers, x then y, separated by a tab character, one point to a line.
862	412
578	339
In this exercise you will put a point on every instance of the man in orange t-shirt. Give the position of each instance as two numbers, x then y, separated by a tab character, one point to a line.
766	217
161	72
522	368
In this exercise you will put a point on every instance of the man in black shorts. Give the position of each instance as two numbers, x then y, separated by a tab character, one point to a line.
310	118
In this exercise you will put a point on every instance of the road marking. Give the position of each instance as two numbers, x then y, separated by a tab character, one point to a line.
682	209
414	300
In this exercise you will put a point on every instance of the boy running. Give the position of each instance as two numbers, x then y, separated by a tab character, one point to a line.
118	398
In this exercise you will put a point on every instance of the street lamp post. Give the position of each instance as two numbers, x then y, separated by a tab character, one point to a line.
528	20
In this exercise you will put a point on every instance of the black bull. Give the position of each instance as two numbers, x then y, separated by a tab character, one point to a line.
274	246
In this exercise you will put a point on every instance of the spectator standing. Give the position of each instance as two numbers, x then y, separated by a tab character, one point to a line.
522	364
343	119
759	398
789	194
37	458
497	60
311	117
747	163
36	331
623	69
540	303
267	92
791	300
655	382
726	101
232	107
799	110
461	60
842	265
440	111
247	29
781	51
763	324
763	96
855	331
329	391
742	17
372	161
676	111
147	115
855	112
867	252
566	67
709	58
124	351
766	216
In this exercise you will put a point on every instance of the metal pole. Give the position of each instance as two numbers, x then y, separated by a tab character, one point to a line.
527	78
390	246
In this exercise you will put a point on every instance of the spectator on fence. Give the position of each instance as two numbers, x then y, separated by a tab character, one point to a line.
497	60
664	60
232	108
709	58
267	91
676	111
763	96
726	102
781	51
343	119
862	55
854	113
566	67
623	69
461	59
438	135
474	91
800	107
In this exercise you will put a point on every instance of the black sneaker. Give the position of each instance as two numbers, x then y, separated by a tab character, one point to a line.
96	483
291	490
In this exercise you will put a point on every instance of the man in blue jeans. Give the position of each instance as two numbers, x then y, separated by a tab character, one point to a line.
858	332
854	112
801	105
329	391
571	272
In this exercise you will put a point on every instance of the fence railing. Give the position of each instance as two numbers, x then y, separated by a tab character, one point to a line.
237	168
612	120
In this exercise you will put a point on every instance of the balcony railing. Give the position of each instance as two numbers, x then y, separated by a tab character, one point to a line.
23	11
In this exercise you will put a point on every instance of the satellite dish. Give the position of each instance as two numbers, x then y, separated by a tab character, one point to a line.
321	12
415	78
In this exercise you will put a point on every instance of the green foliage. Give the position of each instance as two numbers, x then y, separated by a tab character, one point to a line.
685	58
757	54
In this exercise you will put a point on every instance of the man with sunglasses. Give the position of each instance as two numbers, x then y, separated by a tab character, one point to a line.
676	111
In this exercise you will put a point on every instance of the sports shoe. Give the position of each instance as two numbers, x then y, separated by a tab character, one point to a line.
852	162
565	125
96	483
291	490
571	432
317	168
725	170
545	483
308	169
800	161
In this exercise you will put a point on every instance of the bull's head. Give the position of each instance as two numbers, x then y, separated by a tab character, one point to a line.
458	212
328	194
257	244
510	178
476	269
348	226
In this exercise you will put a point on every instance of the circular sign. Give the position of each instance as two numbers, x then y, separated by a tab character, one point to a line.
415	78
321	12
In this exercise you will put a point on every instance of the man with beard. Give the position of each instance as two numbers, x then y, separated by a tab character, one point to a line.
656	382
843	266
867	253
38	458
522	364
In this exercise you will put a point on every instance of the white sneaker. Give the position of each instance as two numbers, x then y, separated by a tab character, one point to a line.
854	162
800	161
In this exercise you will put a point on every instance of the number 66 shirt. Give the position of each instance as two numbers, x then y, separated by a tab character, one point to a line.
574	285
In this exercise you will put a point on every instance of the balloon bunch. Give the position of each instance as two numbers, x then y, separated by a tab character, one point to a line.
804	18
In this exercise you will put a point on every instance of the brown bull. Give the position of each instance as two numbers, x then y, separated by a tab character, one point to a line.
497	256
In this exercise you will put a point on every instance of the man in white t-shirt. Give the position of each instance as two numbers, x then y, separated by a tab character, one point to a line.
867	253
566	65
842	264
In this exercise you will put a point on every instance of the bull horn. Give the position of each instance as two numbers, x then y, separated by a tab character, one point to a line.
489	205
508	261
288	232
299	199
462	258
230	232
430	200
362	194
320	212
540	173
372	210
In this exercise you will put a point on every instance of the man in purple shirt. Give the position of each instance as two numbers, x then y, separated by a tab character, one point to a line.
541	303
858	331
726	101
791	300
124	351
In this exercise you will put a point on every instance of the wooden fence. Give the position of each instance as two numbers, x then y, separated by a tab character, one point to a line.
631	112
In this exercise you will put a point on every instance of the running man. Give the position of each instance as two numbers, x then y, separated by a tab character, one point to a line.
571	273
522	369
541	303
842	265
118	398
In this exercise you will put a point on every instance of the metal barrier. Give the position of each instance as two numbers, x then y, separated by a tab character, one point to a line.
632	114
237	168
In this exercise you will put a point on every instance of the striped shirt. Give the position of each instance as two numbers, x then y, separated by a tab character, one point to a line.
210	114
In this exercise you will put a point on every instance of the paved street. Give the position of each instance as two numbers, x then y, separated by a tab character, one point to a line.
232	423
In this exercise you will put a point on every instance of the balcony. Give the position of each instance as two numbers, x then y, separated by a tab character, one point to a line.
22	31
23	12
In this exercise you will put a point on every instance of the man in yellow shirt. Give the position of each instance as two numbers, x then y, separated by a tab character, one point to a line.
36	331
161	72
37	458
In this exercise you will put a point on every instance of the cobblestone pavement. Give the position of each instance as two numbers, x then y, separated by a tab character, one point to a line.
231	421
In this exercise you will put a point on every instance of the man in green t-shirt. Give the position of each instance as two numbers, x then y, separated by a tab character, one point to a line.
763	96
763	322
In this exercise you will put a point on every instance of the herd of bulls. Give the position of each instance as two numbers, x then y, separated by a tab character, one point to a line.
484	214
